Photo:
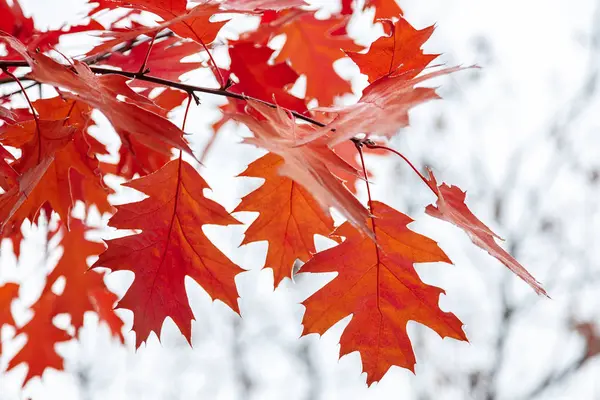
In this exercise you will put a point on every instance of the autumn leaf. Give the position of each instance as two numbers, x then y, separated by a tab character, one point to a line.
309	165
312	46
288	220
8	293
39	352
101	92
170	247
83	288
259	79
14	22
377	284
397	53
382	110
451	207
53	157
163	61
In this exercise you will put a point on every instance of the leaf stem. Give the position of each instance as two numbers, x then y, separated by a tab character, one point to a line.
143	70
371	145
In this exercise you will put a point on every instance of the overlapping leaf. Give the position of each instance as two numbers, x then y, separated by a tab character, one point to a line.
312	46
54	167
170	247
288	220
259	79
382	110
378	285
309	165
101	92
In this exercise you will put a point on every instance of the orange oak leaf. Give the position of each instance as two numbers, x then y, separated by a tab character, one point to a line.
312	46
39	352
83	287
54	169
451	207
398	53
309	165
289	217
378	285
170	247
8	293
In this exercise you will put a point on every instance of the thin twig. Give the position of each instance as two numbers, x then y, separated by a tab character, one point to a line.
143	70
177	85
372	145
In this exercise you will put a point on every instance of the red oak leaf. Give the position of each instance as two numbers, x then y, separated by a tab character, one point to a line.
289	217
312	46
54	157
309	165
378	285
259	79
8	293
171	246
163	61
398	53
42	335
83	287
14	22
451	207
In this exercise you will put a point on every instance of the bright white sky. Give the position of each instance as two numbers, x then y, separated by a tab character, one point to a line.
533	55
